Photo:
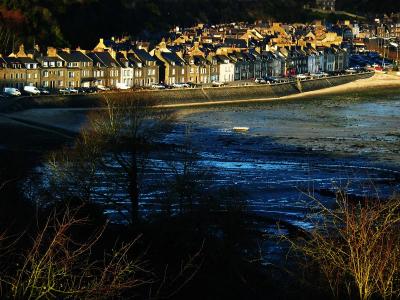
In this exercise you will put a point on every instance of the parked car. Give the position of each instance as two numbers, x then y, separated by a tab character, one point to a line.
301	76
72	90
218	83
63	91
102	88
181	85
44	91
91	90
122	86
31	90
158	86
260	81
83	90
12	91
270	79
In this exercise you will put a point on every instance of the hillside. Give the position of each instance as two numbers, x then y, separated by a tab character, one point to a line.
82	22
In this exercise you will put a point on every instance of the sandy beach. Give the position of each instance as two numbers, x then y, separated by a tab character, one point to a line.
378	81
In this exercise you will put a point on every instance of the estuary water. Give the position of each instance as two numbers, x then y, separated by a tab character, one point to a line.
294	150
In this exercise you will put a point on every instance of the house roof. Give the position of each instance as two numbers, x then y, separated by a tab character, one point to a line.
27	60
74	56
144	55
50	59
172	57
104	58
2	62
134	60
238	43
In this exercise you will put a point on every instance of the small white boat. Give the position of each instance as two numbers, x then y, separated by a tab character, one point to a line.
241	129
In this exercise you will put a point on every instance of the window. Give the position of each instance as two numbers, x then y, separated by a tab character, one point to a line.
45	74
71	75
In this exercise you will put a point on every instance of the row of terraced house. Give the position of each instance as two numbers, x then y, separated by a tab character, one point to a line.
61	68
140	65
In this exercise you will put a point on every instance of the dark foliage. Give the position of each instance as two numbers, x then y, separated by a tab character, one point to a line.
62	22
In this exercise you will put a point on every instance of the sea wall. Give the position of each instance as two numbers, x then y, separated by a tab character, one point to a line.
186	96
232	93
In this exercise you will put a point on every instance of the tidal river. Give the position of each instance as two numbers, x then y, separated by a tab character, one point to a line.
293	149
297	149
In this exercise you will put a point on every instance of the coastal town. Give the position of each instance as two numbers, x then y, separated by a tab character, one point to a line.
200	149
209	55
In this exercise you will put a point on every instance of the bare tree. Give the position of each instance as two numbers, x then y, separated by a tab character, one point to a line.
115	148
57	265
356	246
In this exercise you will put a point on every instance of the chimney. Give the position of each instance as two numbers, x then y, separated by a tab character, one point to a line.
51	51
21	52
68	50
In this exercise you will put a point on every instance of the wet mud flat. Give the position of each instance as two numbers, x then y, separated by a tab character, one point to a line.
297	150
293	150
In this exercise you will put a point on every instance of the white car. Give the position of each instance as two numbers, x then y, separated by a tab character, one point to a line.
301	76
73	90
64	91
260	81
32	90
12	91
180	85
218	83
122	86
102	88
158	86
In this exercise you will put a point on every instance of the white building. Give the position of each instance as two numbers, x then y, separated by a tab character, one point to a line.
226	69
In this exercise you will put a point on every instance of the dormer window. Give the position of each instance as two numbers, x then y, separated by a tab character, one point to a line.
45	64
59	64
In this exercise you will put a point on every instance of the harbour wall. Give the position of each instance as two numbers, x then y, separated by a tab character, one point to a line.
232	93
188	96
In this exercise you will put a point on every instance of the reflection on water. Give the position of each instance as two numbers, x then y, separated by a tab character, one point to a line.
299	148
293	149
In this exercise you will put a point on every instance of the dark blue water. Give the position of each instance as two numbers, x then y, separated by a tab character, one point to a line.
298	150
